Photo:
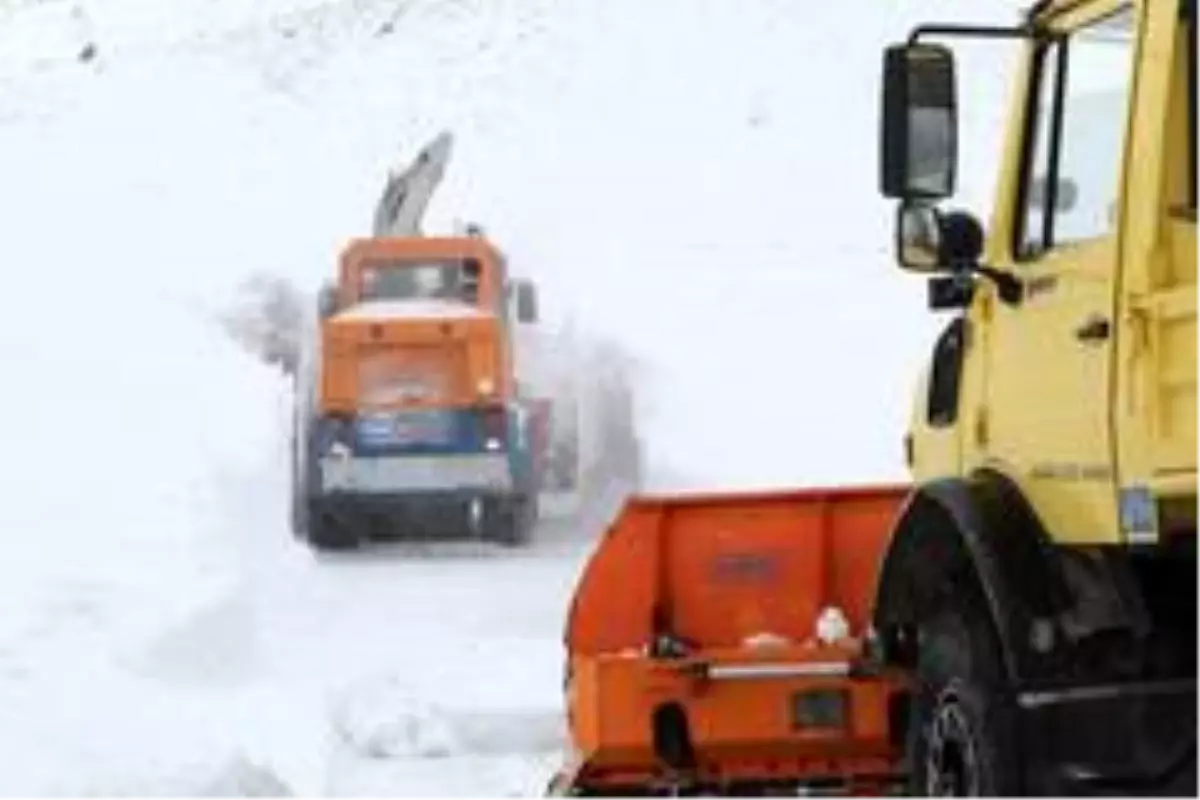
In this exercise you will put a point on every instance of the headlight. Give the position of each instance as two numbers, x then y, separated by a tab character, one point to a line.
486	386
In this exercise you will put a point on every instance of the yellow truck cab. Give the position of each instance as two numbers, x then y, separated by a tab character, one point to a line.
1041	578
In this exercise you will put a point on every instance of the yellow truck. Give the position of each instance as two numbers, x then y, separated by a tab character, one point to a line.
1040	581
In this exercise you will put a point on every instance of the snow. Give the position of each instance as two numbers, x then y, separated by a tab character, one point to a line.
694	180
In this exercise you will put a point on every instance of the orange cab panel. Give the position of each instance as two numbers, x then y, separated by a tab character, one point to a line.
411	343
411	363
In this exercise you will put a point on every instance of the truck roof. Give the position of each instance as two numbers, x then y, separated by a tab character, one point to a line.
1046	9
421	246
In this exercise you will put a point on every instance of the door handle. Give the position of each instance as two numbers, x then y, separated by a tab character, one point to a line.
1095	329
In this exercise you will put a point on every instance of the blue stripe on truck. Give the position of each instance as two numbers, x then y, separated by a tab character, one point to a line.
433	432
424	431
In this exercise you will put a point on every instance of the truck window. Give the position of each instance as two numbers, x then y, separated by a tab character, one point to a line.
426	280
1073	156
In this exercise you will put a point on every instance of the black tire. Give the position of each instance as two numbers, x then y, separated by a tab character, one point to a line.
509	521
962	741
327	533
300	518
297	508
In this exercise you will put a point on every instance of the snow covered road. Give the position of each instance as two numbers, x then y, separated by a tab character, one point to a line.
436	668
411	669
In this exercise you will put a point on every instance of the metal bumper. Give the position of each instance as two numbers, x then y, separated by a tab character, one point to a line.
480	472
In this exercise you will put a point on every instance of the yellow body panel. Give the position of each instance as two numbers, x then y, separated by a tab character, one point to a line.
1082	425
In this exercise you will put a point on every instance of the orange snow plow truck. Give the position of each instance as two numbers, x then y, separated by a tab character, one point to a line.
412	423
715	645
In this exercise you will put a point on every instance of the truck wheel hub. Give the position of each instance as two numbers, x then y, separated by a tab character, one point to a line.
951	761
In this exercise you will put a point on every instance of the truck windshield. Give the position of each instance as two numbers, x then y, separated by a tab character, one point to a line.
453	280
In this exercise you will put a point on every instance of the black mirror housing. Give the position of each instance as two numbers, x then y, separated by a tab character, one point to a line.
960	240
919	124
327	301
527	307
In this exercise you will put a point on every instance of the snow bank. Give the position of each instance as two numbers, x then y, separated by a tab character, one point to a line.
130	415
383	718
236	777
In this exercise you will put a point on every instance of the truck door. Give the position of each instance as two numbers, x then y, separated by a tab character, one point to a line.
1047	420
1156	409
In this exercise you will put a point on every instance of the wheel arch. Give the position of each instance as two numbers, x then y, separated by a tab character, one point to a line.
977	534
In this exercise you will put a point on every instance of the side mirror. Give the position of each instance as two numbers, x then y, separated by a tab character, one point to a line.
527	309
327	301
929	241
918	237
919	135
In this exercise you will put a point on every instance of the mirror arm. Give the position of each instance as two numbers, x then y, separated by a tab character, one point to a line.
971	31
1009	287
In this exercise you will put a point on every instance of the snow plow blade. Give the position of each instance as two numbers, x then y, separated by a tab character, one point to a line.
715	644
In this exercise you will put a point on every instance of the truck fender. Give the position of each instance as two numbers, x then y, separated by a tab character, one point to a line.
977	534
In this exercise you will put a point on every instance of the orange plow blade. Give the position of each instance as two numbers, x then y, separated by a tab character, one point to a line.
715	643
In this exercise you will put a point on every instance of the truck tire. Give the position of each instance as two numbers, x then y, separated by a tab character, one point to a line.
529	512
297	508
299	515
962	741
329	534
509	521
